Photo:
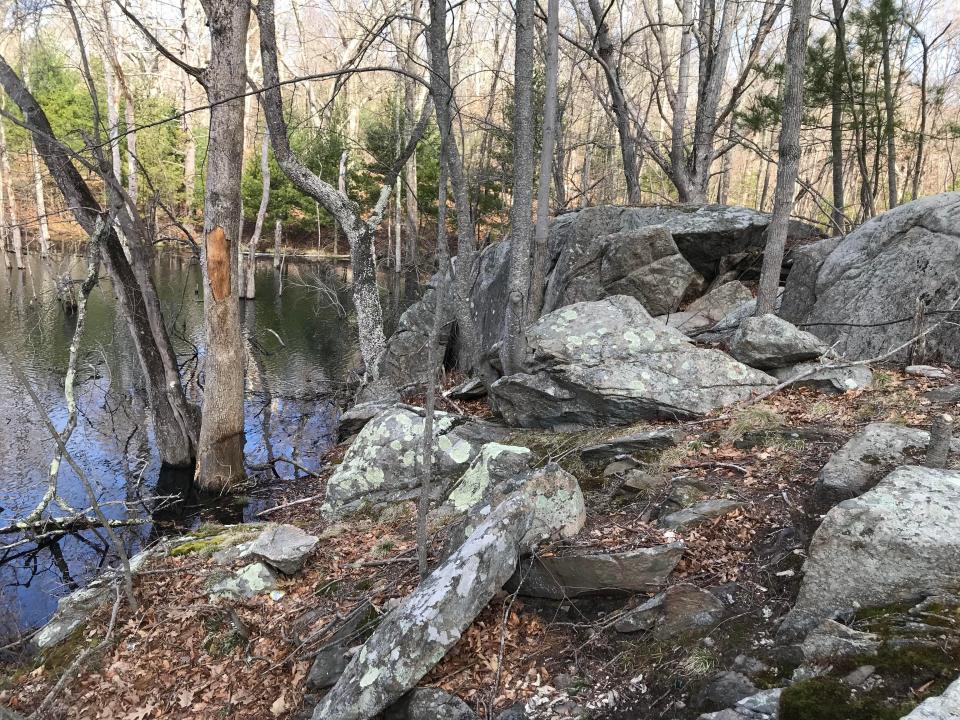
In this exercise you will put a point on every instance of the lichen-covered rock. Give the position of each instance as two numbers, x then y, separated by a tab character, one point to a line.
896	541
381	465
251	580
494	464
331	660
420	631
764	705
941	707
867	457
75	609
284	547
609	362
770	342
559	577
875	275
651	253
825	377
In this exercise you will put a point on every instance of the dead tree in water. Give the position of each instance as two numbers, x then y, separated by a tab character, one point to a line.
174	418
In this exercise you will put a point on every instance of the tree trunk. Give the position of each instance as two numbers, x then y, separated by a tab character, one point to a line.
538	275
789	161
250	267
890	111
220	453
441	89
837	216
521	227
618	102
16	236
174	418
186	129
277	245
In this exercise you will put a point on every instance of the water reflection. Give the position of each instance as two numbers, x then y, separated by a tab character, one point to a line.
303	348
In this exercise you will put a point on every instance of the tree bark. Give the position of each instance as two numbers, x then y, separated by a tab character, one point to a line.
250	266
538	275
789	161
220	452
441	89
889	110
16	236
174	418
837	216
521	226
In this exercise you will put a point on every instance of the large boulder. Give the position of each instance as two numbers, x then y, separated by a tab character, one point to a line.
381	466
608	362
859	294
429	621
657	254
897	541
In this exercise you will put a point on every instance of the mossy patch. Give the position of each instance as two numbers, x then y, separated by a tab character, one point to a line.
830	699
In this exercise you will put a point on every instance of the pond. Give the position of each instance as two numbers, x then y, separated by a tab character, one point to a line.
304	348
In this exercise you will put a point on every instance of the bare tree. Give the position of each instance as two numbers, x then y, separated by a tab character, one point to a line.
538	279
250	266
360	233
789	161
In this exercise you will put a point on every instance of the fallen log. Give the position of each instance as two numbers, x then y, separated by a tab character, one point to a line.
63	525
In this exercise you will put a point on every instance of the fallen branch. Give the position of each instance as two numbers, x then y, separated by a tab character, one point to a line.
47	526
290	504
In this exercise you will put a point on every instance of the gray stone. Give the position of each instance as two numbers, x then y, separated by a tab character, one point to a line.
875	275
609	362
429	621
680	609
645	481
927	371
770	342
699	514
764	705
381	465
332	659
857	677
721	301
594	253
559	577
353	420
250	580
723	330
494	464
284	547
749	665
429	704
896	541
948	394
635	443
941	707
726	689
825	377
868	456
831	640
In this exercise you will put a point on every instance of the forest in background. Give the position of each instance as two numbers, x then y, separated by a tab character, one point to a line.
696	115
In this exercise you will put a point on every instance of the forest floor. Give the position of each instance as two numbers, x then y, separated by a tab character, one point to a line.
180	656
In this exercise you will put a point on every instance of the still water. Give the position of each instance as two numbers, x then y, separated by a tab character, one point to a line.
304	349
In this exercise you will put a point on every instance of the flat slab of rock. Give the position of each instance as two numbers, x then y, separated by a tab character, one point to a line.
770	342
429	704
868	456
941	707
678	610
833	380
609	362
381	465
556	578
946	394
635	443
429	621
699	514
831	640
896	541
494	464
284	547
927	371
764	705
